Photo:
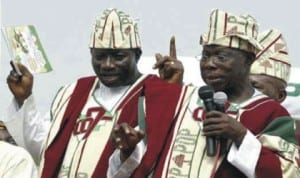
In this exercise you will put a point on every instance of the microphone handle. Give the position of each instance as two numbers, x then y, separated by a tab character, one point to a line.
210	141
221	141
220	107
211	146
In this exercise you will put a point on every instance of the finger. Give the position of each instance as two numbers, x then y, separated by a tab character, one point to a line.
117	140
173	48
126	129
212	133
213	127
160	60
119	132
211	121
141	134
120	146
13	76
23	69
116	129
213	114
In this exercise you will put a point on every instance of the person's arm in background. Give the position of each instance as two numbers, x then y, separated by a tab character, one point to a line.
16	162
23	121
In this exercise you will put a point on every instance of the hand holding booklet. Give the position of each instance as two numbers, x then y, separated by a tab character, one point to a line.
25	47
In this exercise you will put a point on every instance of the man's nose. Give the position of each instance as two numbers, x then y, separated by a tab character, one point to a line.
109	61
210	61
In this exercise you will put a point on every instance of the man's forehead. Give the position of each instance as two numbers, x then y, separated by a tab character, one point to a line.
103	50
218	48
268	79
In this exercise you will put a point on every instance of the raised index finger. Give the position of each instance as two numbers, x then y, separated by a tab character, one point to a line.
173	48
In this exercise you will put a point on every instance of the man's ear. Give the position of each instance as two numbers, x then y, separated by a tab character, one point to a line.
138	53
91	51
281	95
251	58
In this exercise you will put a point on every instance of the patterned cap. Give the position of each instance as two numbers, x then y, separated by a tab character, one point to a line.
115	29
232	30
273	60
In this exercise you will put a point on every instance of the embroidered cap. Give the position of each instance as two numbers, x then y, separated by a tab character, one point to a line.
115	29
273	59
230	30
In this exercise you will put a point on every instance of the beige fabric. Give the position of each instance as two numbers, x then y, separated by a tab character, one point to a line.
16	162
230	30
289	154
187	154
115	29
2	126
273	60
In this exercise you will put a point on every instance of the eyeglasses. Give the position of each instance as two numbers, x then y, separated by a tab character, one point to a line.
198	57
220	58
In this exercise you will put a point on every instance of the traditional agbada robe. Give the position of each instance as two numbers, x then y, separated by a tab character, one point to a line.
78	142
270	128
185	152
16	162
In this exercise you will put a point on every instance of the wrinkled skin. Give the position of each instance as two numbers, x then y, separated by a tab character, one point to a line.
226	69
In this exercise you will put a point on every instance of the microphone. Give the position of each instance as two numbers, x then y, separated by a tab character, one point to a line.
220	99
206	94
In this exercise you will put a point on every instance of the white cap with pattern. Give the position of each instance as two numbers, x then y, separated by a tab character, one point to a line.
115	29
273	59
230	30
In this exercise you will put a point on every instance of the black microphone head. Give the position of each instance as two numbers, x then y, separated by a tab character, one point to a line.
220	97
205	92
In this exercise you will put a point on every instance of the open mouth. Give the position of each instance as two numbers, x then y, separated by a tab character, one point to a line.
213	79
109	74
109	77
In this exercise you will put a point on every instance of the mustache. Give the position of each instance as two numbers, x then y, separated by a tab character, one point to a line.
108	73
212	75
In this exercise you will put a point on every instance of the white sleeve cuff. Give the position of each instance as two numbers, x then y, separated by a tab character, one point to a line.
246	156
14	119
117	169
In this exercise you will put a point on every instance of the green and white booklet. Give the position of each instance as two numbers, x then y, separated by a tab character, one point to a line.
25	47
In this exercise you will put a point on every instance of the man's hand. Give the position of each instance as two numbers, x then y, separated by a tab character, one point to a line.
169	68
20	86
126	138
221	125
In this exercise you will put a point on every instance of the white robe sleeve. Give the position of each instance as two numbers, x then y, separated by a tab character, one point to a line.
16	162
245	156
28	128
117	169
